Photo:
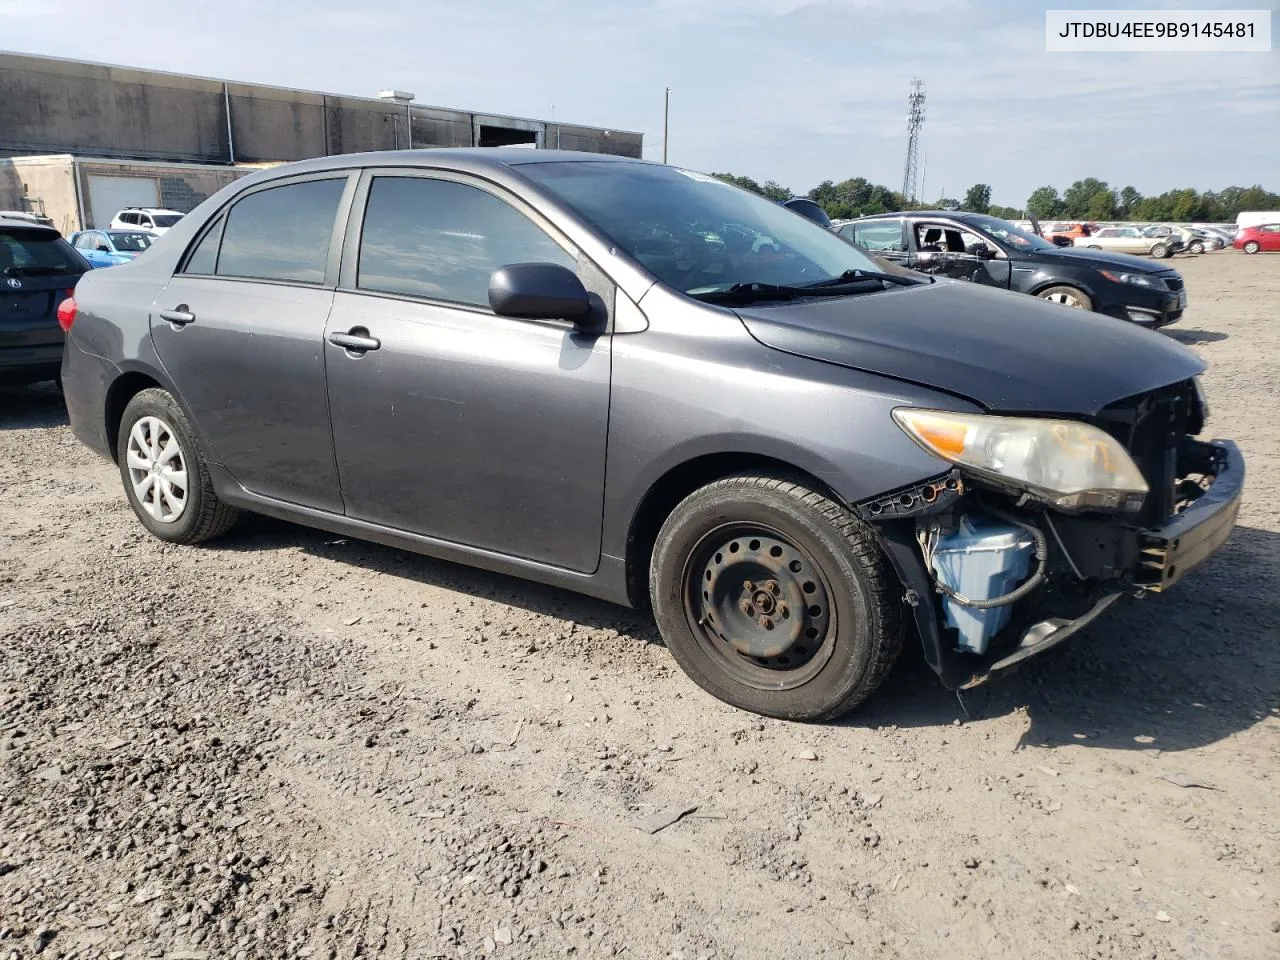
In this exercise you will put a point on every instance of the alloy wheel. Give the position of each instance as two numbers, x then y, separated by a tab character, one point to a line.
1066	299
157	469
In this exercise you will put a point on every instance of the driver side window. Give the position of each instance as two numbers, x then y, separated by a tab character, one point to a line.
441	240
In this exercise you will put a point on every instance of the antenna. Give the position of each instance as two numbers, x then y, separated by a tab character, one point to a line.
915	120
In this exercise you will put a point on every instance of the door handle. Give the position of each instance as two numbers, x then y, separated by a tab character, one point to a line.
357	340
180	315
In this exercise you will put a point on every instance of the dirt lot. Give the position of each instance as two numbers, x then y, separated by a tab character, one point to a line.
290	745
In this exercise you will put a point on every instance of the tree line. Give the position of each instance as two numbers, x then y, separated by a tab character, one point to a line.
1086	199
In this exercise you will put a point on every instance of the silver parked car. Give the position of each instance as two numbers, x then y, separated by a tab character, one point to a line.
642	383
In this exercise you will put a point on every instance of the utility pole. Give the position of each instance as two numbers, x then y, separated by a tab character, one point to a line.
666	120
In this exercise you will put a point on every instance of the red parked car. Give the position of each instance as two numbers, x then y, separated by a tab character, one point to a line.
1265	236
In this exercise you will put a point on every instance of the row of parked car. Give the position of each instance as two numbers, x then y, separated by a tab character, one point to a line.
1160	241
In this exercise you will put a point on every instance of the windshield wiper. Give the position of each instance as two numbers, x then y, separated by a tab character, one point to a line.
853	276
746	292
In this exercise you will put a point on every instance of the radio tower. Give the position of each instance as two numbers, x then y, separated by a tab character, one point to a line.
915	120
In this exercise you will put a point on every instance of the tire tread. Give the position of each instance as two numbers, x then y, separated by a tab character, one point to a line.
886	626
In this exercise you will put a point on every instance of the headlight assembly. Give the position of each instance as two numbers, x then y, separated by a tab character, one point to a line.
1136	279
1071	465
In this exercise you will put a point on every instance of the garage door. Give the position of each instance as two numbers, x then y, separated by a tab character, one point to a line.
109	195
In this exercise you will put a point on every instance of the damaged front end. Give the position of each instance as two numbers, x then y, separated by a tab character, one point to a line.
1043	524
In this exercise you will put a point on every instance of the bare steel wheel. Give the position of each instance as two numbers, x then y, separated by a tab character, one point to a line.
164	474
775	598
761	604
157	469
1067	297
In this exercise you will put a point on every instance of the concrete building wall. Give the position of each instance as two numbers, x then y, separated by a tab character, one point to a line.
48	185
50	106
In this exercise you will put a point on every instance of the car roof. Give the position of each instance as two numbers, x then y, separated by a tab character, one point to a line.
462	159
7	223
948	214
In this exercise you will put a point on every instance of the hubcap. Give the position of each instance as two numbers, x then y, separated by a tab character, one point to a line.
157	469
760	605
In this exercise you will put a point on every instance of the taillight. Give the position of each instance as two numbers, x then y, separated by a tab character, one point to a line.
67	312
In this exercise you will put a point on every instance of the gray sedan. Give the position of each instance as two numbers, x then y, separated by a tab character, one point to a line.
638	382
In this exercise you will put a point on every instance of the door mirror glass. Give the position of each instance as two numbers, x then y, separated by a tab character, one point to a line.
538	291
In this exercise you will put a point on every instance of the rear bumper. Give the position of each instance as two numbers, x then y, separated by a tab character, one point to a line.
30	364
86	379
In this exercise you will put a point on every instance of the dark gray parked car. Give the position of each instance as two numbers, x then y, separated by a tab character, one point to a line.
641	383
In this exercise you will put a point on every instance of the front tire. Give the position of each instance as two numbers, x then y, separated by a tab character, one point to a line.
1067	297
164	474
774	598
1252	247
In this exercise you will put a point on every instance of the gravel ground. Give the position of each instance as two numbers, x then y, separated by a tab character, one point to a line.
286	745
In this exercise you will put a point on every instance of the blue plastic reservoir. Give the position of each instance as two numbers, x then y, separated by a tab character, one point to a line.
982	559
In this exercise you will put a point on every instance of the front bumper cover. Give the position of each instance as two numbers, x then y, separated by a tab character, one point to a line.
1167	553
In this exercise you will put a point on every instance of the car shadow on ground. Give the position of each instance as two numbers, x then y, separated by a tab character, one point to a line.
1193	338
1170	672
31	407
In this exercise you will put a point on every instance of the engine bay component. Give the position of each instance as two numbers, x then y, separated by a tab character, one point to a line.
982	568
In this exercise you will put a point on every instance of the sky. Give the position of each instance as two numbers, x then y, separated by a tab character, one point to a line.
796	91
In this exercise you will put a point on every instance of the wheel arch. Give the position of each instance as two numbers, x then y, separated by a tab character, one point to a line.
133	379
665	493
1059	281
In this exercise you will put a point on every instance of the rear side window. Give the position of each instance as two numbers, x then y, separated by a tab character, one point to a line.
204	258
282	233
32	253
441	240
880	235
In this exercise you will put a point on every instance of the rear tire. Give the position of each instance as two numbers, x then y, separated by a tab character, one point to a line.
1094	246
1161	251
1067	297
774	598
164	474
1252	247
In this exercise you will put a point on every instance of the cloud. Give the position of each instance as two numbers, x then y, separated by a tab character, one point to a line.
792	90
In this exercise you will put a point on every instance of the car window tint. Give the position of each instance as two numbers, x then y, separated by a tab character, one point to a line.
441	239
880	235
204	258
84	241
282	233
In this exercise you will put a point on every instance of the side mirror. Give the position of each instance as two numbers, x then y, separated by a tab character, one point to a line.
538	291
102	248
982	251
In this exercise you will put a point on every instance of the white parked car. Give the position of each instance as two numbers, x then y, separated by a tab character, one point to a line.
154	219
1125	240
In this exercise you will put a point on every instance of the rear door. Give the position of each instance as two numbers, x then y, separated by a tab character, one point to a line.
240	330
456	423
1269	236
38	270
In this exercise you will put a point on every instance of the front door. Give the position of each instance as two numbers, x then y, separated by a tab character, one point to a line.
949	250
883	238
449	421
240	331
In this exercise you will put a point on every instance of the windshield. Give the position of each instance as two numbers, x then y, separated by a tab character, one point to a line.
131	242
695	233
1005	232
166	219
32	253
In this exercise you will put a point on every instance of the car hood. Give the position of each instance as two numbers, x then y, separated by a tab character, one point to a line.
1095	258
1008	352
